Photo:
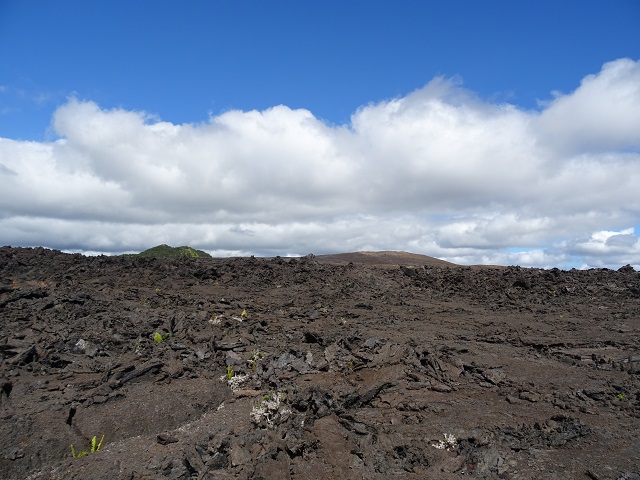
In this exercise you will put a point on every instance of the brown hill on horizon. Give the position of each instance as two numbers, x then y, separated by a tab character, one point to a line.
385	258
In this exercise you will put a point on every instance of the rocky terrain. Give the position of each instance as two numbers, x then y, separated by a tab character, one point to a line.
361	366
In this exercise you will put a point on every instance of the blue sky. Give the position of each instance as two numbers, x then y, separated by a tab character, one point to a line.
413	125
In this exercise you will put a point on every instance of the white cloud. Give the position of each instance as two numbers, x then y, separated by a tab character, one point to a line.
438	171
601	115
604	248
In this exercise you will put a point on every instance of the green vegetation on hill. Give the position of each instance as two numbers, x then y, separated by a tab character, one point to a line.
165	251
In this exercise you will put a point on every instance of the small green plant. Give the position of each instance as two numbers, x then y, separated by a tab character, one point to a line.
95	446
253	359
243	316
620	396
160	337
230	372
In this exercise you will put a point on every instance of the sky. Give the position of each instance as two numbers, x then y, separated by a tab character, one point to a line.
494	132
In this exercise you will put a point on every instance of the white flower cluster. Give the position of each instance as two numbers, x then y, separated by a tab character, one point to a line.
235	382
449	443
269	411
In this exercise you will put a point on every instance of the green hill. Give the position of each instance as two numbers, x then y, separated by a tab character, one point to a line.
165	251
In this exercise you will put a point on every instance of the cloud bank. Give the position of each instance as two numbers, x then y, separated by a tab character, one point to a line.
439	171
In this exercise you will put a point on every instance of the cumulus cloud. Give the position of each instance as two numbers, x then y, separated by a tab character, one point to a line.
439	171
604	248
603	114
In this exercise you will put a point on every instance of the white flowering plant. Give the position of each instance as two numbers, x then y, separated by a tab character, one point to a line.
234	381
449	443
270	410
